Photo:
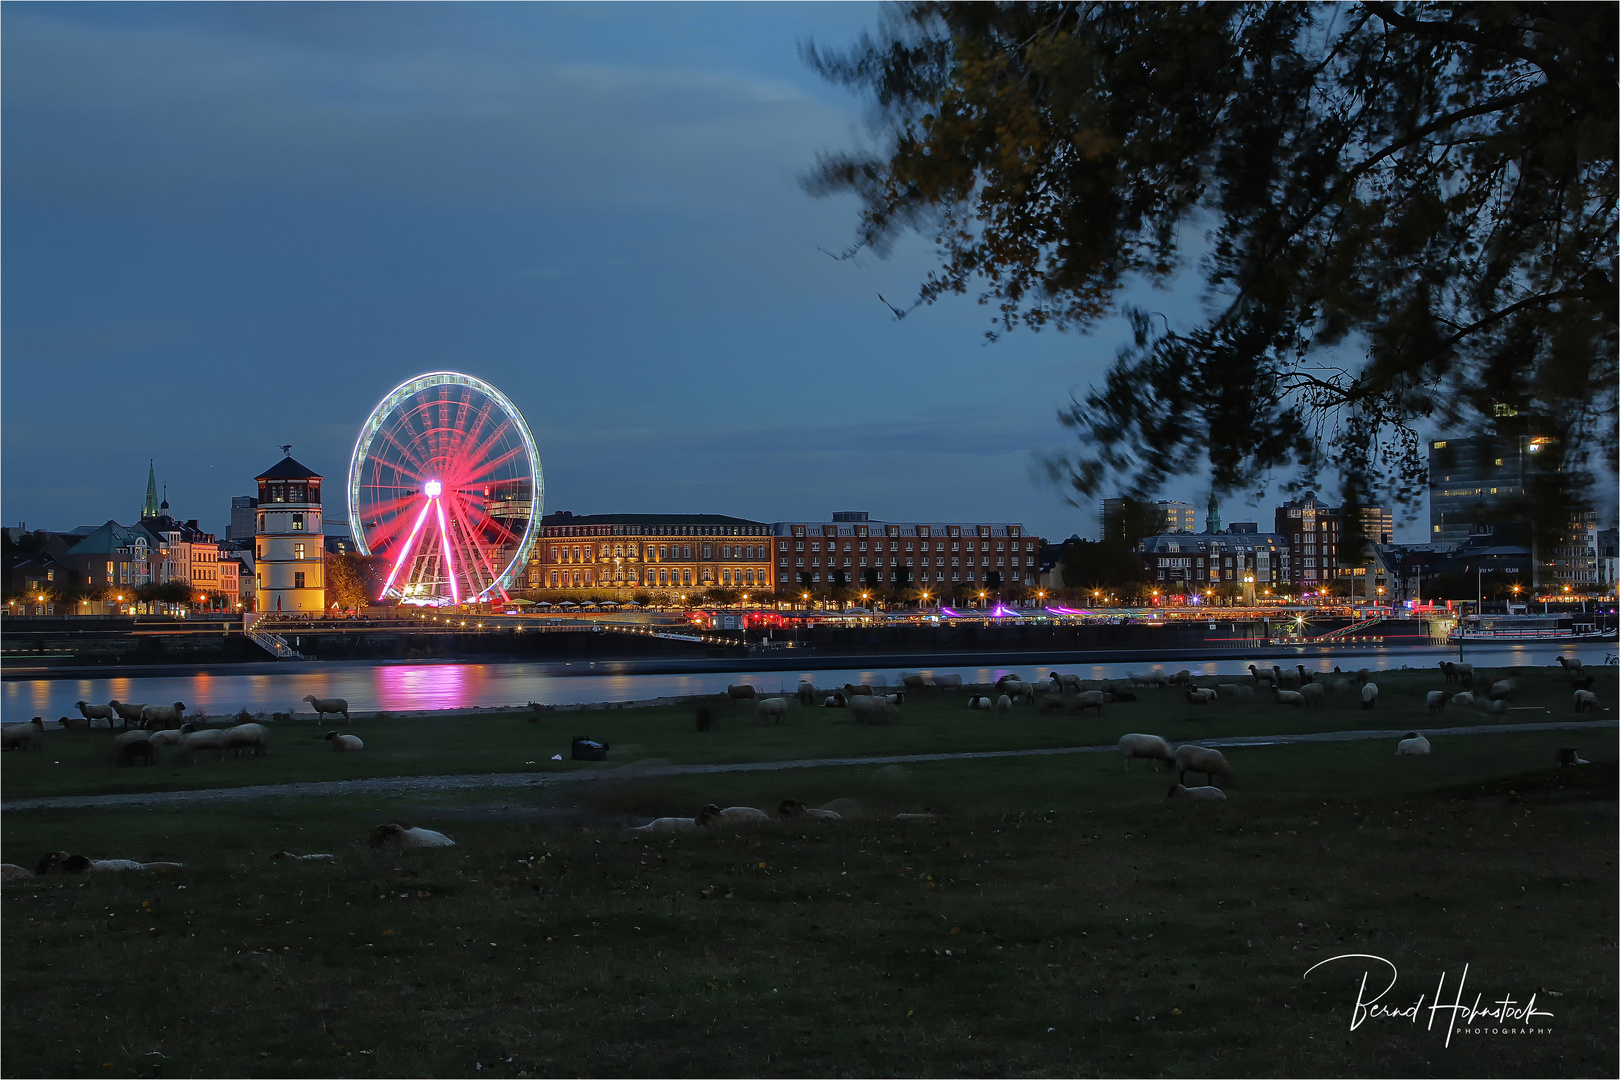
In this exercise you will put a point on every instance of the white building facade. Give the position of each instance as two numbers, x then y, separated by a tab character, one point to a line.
289	552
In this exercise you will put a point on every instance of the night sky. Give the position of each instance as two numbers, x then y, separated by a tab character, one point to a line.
228	227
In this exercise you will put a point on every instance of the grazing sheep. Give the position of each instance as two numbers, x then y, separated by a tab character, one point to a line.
398	836
807	692
1180	678
1458	673
1284	678
668	824
12	874
1140	678
1199	695
794	810
1369	695
22	736
1148	747
1438	700
1260	676
1055	703
1568	755
133	746
896	698
869	710
744	692
1004	705
1583	684
1016	688
1464	699
96	712
1503	690
1498	708
1206	793
163	716
1287	697
250	737
1091	699
208	741
774	709
1114	693
1586	701
1201	759
1228	690
1413	745
979	701
948	681
334	705
1315	695
1570	664
167	737
1363	676
913	681
711	816
858	691
834	700
129	714
344	742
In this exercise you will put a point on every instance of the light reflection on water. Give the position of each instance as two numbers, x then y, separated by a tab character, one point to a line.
401	687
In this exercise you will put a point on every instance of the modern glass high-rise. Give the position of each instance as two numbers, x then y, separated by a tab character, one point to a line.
1477	482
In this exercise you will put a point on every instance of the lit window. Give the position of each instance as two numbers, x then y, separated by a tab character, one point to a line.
298	551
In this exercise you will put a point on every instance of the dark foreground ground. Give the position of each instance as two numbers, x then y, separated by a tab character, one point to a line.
1062	920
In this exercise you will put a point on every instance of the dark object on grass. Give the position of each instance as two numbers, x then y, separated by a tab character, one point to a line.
1569	755
136	750
1582	684
589	749
705	718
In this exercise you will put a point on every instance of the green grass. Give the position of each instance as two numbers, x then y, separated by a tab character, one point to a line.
79	763
1091	927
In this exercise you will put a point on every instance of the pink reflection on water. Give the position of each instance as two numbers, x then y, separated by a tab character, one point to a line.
430	686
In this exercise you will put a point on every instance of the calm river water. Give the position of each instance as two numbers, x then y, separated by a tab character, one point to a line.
399	687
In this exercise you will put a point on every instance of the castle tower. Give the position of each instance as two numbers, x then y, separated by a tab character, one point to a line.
149	509
1212	524
289	548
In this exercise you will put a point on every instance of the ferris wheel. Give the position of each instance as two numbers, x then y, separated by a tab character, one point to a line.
445	485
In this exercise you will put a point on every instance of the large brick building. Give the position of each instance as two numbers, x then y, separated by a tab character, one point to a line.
651	551
1316	533
853	550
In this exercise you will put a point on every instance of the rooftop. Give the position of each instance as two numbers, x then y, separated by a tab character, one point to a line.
288	469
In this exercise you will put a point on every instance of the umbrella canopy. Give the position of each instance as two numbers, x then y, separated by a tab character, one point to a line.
567	603
515	602
631	603
587	604
609	603
544	603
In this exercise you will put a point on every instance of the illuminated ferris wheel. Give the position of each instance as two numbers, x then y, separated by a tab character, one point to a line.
445	485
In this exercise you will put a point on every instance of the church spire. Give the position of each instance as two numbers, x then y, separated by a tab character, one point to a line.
1212	524
149	509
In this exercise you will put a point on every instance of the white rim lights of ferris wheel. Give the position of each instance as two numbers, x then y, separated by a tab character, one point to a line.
445	483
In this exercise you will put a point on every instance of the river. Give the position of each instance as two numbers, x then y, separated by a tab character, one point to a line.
400	687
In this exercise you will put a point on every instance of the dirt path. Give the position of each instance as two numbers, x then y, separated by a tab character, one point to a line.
421	785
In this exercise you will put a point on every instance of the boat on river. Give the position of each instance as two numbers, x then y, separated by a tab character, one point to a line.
1521	629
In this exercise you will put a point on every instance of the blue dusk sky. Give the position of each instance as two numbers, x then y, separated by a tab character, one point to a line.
233	226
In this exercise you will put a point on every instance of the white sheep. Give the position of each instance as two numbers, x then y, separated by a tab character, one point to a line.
1139	678
1464	699
1570	664
1503	690
980	701
1180	678
1090	699
251	737
1585	701
1413	745
1148	747
1206	793
208	741
774	709
60	862
163	716
97	712
1201	695
1498	708
1569	755
807	692
1067	682
1261	676
344	742
1369	695
167	737
833	701
1016	688
322	706
22	736
1315	695
948	680
1438	699
874	710
712	816
398	836
127	712
794	810
668	824
1212	763
1284	678
1287	697
1004	705
1227	690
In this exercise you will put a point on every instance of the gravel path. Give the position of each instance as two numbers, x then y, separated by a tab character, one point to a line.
415	785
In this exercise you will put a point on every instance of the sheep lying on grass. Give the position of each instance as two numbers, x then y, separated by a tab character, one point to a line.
1201	695
668	824
60	862
1464	699
400	837
344	742
980	701
1149	747
1206	793
712	816
1201	759
12	874
336	706
96	712
794	810
1413	745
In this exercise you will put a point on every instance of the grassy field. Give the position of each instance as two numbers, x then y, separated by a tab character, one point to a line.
79	763
1063	919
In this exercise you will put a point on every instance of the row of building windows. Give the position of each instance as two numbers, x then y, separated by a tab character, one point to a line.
924	576
561	553
939	560
894	545
658	577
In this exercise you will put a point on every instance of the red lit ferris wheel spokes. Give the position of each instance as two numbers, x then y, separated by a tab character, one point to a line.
483	562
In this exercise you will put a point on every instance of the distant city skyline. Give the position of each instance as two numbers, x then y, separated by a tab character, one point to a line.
235	226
